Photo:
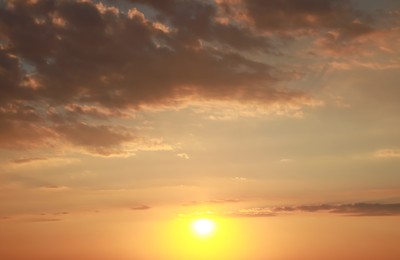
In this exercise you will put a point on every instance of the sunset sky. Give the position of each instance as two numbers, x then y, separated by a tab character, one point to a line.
124	121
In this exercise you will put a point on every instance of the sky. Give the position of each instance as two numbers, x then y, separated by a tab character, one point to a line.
123	121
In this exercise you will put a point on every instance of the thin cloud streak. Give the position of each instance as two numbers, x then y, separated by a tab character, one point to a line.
387	153
354	209
210	202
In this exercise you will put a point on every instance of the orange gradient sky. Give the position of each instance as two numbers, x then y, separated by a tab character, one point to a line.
123	122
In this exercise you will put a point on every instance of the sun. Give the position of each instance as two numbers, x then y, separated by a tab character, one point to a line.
203	227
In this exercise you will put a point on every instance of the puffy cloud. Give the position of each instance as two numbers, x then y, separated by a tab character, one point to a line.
303	17
64	64
183	156
116	60
293	15
99	139
331	28
22	127
196	21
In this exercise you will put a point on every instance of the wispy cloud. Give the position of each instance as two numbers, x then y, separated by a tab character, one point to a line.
387	153
54	188
28	160
212	201
140	207
353	209
183	156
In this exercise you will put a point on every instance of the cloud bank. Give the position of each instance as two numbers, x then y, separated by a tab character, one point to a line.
69	67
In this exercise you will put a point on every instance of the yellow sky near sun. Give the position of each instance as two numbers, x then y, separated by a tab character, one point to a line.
125	236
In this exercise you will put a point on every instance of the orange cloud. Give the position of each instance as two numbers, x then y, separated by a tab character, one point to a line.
387	153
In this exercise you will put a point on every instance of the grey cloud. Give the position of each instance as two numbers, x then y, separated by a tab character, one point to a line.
22	127
98	138
314	15
354	209
117	61
113	60
196	20
337	24
78	61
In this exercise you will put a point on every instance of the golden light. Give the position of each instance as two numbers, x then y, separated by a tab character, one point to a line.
203	227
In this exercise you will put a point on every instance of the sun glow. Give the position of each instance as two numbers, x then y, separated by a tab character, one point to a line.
203	227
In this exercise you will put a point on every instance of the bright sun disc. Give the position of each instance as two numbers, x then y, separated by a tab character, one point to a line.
203	227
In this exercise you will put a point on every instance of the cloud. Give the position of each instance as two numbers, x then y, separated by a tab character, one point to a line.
240	179
68	68
40	162
253	212
141	207
213	201
387	153
52	188
28	160
98	139
197	21
131	67
183	156
336	28
295	18
22	127
64	64
42	219
286	160
354	209
38	217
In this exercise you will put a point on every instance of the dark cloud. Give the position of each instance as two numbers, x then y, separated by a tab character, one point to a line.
119	60
197	21
337	24
79	60
354	209
100	139
64	63
22	127
291	15
309	16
